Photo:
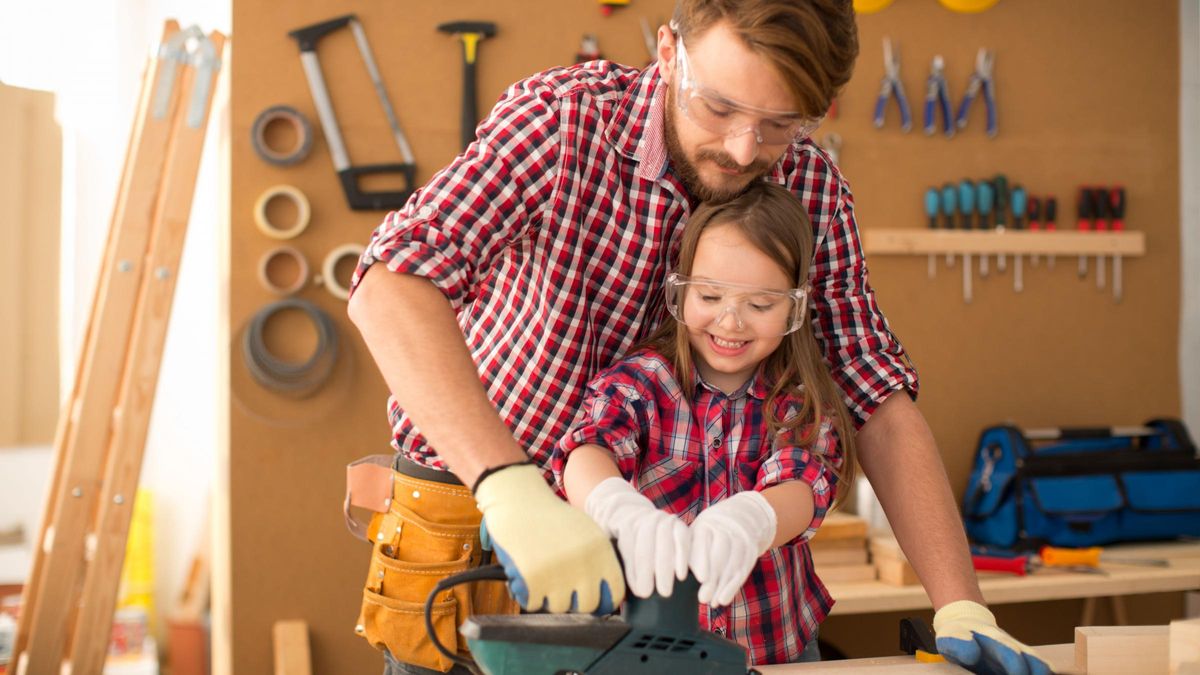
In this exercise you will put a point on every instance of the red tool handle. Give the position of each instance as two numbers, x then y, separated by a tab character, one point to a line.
1100	209
1085	210
1051	213
1035	213
1116	206
987	563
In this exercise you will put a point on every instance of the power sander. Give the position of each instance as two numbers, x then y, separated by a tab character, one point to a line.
653	636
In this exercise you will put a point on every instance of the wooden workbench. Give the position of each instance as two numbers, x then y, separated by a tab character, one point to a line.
1046	584
1060	657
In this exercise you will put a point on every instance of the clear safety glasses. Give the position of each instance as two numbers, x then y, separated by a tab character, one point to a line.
763	312
713	112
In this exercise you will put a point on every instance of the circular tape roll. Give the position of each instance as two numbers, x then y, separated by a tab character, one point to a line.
300	125
330	265
968	6
260	212
264	264
871	6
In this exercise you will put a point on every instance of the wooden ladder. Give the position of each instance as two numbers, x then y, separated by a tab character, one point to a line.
68	603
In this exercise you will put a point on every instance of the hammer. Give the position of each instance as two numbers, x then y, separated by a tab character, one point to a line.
470	32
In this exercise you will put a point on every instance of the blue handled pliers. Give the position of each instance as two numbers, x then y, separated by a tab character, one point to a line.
937	94
981	79
892	86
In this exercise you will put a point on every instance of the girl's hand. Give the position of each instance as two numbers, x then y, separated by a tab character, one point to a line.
654	544
727	539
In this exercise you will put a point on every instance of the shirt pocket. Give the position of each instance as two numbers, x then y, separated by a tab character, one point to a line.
672	477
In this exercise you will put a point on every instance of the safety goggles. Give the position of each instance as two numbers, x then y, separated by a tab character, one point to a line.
719	115
764	312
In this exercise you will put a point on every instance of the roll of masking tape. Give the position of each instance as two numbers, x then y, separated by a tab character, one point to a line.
300	127
304	212
328	269
968	6
264	264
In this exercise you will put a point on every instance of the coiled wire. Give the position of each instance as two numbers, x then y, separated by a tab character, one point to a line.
296	379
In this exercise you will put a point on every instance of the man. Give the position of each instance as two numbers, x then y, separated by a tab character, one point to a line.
546	244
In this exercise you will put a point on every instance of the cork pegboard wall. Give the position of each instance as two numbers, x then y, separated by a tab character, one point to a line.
1087	94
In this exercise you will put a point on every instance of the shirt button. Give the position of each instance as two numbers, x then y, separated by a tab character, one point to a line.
720	631
716	442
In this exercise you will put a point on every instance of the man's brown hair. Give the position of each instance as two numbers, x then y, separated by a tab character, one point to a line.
812	43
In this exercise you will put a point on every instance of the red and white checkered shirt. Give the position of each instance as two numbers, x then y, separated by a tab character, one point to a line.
553	233
686	451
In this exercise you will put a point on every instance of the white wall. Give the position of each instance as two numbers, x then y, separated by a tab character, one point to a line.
92	53
1189	192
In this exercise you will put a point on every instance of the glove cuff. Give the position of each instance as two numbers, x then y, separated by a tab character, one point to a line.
608	498
520	480
962	610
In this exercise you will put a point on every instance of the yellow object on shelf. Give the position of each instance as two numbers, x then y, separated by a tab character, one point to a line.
871	6
968	6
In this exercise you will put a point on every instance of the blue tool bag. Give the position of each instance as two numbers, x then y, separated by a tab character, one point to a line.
1083	487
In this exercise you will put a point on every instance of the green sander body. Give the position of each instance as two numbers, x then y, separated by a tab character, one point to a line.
659	635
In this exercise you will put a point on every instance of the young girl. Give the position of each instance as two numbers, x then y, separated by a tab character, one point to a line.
717	445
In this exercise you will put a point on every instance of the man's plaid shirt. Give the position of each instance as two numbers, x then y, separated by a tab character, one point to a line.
686	451
552	234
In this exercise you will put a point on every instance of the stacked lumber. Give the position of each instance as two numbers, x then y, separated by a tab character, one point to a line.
891	563
839	549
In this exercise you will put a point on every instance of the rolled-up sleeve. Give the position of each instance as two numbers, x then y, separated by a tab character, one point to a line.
452	230
614	415
812	464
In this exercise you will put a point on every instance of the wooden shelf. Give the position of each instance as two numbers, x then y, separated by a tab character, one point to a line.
921	242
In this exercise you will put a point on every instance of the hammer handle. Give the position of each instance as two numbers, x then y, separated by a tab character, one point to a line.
469	115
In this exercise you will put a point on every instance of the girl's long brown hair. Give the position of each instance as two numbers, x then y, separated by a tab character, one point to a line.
775	222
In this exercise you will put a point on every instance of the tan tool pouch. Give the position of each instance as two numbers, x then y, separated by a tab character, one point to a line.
421	532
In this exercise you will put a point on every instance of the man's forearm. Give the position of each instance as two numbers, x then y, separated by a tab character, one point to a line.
415	340
900	458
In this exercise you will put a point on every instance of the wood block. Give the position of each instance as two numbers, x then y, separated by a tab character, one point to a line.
838	544
1121	650
841	526
896	572
840	556
291	648
885	546
843	573
1183	653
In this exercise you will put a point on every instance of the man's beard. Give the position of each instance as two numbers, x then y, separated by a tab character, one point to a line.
689	175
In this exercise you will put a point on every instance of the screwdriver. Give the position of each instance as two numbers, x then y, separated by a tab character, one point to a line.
986	195
1085	223
931	210
1116	205
1022	565
1099	224
1035	223
1051	222
950	211
1018	211
1001	209
1053	556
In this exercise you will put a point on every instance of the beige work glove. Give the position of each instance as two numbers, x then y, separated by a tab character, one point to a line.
967	635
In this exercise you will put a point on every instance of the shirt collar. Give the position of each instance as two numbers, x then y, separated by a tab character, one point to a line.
636	130
755	387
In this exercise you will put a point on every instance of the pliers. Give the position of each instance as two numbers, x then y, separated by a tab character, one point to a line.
981	79
892	86
937	94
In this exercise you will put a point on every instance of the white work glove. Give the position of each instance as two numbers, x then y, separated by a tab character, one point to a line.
967	635
727	539
654	544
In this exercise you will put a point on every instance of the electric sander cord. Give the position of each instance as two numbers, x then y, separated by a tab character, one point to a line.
485	573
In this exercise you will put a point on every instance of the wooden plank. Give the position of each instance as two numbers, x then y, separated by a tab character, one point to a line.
1121	650
1183	651
1061	659
896	572
82	451
846	573
920	242
832	557
840	526
291	648
140	378
1182	575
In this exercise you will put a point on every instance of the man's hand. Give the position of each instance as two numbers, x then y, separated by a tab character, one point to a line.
654	544
967	635
556	557
727	539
